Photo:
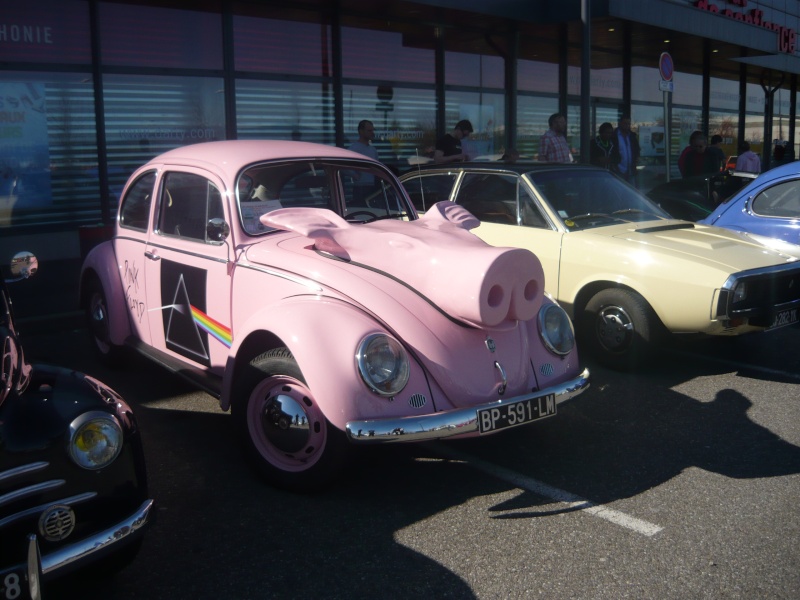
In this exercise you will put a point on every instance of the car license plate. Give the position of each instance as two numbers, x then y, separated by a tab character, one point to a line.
14	585
517	413
784	318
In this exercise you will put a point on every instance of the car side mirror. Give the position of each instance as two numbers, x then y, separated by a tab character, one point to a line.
217	230
23	265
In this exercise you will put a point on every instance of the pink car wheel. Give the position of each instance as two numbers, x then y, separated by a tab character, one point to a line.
97	319
286	433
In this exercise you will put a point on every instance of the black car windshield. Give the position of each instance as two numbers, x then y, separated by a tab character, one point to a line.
359	192
588	198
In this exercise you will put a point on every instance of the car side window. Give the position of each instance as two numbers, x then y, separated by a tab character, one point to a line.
490	197
188	202
135	207
530	213
427	190
781	200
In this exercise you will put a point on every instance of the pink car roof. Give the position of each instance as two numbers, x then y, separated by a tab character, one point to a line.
229	157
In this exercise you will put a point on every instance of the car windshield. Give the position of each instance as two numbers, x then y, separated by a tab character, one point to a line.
588	198
359	192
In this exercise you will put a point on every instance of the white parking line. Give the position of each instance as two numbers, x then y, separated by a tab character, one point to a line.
542	489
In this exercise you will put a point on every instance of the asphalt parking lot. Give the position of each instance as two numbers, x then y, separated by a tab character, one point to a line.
679	481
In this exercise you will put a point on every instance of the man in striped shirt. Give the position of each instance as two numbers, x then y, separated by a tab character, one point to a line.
553	146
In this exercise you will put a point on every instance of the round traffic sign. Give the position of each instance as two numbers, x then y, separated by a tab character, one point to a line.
665	66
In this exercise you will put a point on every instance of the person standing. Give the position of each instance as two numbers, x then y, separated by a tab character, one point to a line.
366	133
448	147
553	146
629	150
748	160
696	159
715	148
602	149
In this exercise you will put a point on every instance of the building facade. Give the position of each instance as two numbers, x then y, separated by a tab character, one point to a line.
91	89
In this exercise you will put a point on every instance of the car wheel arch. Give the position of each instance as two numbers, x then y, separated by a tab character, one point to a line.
119	325
303	328
589	291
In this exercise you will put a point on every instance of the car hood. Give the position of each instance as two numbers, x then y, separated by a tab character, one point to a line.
428	289
714	246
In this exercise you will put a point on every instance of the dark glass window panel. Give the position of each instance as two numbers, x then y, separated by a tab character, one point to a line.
474	70
383	56
290	47
55	31
160	37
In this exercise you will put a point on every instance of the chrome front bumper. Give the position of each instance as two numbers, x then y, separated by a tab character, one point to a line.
456	422
96	546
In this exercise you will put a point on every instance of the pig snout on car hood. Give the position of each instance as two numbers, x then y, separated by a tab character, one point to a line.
436	254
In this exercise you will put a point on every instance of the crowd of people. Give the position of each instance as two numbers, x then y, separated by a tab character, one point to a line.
616	149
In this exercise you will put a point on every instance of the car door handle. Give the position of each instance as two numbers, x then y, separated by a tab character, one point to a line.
152	255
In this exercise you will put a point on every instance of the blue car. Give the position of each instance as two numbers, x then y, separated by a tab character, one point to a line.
769	206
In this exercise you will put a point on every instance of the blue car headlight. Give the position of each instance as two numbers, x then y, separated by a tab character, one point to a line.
383	364
95	440
556	329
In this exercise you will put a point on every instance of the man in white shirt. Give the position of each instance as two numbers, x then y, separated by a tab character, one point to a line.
748	160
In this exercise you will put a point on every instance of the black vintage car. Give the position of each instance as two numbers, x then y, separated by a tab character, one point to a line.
73	485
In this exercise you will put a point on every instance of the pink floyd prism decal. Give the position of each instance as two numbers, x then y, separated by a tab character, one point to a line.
186	325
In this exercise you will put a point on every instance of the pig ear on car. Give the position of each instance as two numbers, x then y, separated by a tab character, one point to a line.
446	213
317	224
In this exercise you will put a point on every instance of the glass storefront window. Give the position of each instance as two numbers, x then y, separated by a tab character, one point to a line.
148	115
477	70
486	112
532	115
282	46
723	118
284	110
404	119
48	150
136	35
385	57
537	76
53	31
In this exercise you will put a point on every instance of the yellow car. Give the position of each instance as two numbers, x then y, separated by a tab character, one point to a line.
625	271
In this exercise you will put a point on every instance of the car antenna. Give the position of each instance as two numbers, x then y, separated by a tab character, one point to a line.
419	171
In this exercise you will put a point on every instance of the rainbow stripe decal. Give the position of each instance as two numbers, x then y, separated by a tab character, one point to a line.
215	328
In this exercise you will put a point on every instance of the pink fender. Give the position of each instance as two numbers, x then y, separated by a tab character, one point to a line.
309	327
102	261
460	273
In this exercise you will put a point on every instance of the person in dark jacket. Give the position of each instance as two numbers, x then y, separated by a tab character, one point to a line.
695	159
603	151
629	151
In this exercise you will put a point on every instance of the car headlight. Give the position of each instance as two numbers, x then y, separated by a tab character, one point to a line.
383	364
556	329
95	440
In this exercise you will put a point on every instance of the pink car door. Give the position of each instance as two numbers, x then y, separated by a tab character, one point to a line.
187	273
130	250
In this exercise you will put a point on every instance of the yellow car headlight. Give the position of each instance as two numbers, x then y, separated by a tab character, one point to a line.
95	440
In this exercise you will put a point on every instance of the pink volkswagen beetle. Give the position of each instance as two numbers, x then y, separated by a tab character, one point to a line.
296	283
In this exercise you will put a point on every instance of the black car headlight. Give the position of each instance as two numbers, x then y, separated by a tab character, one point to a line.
95	440
383	364
556	329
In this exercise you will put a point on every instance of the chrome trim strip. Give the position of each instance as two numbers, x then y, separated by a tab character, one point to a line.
23	470
223	261
37	509
459	421
31	490
101	542
312	285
